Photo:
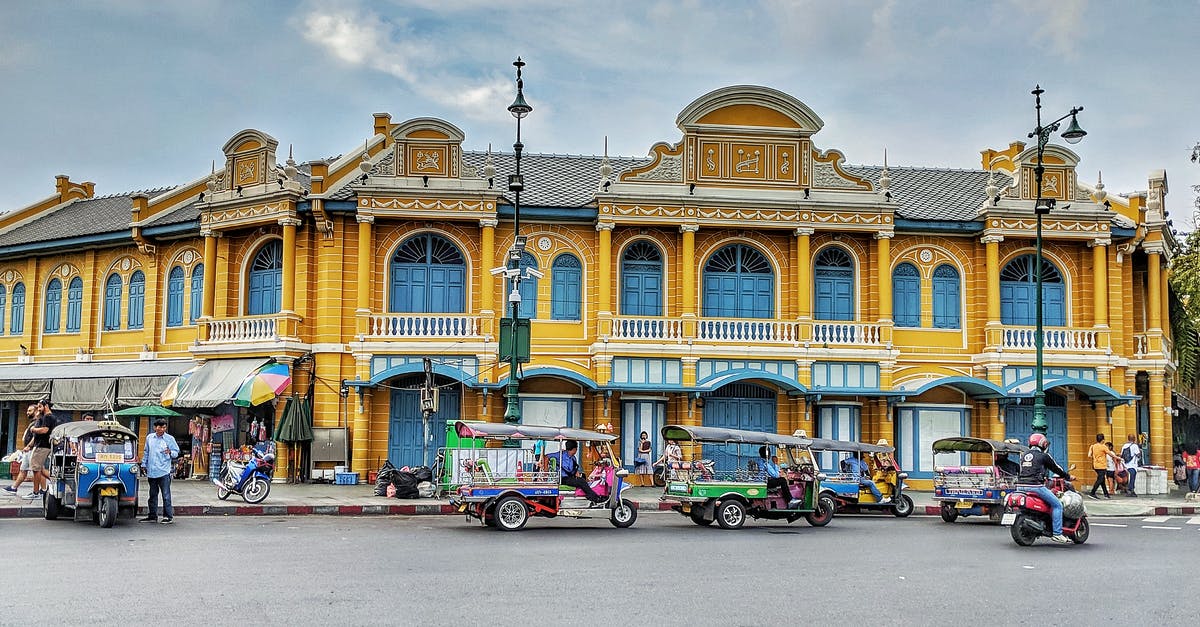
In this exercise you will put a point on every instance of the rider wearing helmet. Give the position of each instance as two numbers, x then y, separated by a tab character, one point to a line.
1034	466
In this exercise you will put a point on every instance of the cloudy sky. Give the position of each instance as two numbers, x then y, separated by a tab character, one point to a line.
135	95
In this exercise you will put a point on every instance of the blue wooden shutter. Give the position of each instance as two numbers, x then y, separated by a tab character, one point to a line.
112	303
74	305
53	306
137	300
641	280
906	295
175	297
428	275
1018	293
566	285
197	293
16	323
738	282
946	299
528	288
266	280
3	307
834	275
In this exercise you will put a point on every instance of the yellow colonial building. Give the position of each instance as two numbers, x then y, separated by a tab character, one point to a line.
741	275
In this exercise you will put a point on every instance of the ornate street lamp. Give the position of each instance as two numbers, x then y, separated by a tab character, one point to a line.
519	109
1041	206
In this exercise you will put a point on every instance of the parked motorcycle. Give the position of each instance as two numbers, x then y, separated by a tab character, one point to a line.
251	480
1029	517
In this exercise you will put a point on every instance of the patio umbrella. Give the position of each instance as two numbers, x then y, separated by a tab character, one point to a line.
265	384
296	423
147	410
167	398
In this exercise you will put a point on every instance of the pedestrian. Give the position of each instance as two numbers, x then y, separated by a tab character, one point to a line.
31	414
157	461
1114	463
641	463
1131	454
41	429
1100	455
89	417
1191	463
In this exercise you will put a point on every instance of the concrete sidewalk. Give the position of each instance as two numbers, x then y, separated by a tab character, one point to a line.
199	498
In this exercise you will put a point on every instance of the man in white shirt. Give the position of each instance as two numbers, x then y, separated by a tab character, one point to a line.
1131	454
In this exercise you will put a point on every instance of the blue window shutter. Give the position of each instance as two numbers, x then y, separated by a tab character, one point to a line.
566	285
137	300
112	303
16	324
906	295
3	307
53	306
266	280
738	282
175	297
197	293
641	280
428	275
1054	312
946	298
1018	293
834	285
528	288
74	305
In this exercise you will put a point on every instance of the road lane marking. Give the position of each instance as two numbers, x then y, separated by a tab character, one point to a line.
1108	525
1166	528
1156	519
1194	520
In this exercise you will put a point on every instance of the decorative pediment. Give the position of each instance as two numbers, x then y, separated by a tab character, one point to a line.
1058	178
427	147
249	159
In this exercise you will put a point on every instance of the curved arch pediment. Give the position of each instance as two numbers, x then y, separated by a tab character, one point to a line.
428	128
249	139
749	105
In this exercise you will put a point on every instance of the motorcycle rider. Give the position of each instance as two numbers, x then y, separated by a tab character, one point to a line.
1032	478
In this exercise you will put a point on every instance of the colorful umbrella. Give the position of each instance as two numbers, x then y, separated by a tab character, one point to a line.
147	410
167	398
265	384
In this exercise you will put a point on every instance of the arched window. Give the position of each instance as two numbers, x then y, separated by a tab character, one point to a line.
833	272
197	293
3	306
528	289
137	300
428	276
16	322
74	305
566	286
266	280
641	280
738	283
1018	293
112	302
946	299
906	295
175	297
53	315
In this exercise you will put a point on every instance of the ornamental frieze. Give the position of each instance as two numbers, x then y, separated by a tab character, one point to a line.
247	214
384	205
1061	226
744	214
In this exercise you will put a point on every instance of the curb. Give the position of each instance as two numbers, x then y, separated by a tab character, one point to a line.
1161	510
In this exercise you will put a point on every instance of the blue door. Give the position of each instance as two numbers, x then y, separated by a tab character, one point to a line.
1018	293
837	422
738	406
428	276
833	274
406	428
1018	423
738	283
266	280
641	280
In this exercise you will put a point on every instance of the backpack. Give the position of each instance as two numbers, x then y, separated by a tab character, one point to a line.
1127	454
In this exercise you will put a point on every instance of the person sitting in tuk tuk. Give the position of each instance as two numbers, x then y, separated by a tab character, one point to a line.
769	470
860	471
568	469
1006	465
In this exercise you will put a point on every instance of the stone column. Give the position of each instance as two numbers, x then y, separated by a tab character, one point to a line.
487	256
689	268
605	262
1154	289
992	244
1100	281
288	301
1160	427
883	257
365	256
210	273
804	273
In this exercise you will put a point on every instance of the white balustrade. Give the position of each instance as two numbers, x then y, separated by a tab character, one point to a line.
412	325
1025	338
658	329
747	330
846	333
258	329
1140	344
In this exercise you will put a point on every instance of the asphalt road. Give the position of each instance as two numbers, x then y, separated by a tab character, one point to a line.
428	570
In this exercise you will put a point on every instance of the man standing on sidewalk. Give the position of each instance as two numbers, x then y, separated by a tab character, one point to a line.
1099	454
1131	454
41	446
157	464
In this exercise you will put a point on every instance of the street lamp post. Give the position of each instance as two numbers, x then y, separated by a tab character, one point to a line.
519	109
1041	207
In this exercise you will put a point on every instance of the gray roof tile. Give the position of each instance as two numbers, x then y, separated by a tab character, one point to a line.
933	193
92	216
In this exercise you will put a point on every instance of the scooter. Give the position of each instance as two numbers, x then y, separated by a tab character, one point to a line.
1028	515
251	480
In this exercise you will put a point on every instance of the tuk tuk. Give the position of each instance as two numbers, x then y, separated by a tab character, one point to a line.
503	487
93	470
725	483
978	488
846	489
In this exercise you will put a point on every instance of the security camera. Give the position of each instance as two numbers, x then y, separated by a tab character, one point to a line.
514	296
534	273
500	271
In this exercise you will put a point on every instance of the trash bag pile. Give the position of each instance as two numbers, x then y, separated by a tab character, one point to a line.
409	482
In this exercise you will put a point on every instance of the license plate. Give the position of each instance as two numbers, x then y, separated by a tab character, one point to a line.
110	458
1008	519
110	491
964	505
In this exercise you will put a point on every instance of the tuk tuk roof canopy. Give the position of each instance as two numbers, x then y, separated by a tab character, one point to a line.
506	431
825	444
976	445
685	433
81	428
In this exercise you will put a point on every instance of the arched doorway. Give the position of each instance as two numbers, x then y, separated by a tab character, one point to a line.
1018	423
406	426
738	283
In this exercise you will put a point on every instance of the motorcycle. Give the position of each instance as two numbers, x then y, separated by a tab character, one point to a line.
251	480
1029	518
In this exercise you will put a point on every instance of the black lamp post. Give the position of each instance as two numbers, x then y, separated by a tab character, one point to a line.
519	109
1041	206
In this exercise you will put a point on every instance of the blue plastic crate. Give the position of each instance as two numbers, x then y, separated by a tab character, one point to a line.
346	478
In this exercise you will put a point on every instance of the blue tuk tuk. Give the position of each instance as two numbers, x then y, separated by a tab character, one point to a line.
93	470
846	487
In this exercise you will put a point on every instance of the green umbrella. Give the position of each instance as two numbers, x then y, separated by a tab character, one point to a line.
148	410
296	423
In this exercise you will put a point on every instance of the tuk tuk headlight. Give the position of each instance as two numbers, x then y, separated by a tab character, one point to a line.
83	469
110	471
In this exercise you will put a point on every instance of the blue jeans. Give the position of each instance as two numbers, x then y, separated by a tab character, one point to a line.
1193	477
1132	475
867	483
160	484
1053	502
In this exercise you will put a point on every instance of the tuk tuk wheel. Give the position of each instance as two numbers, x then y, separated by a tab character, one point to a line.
623	515
108	512
903	507
50	506
949	513
511	514
824	512
731	514
697	516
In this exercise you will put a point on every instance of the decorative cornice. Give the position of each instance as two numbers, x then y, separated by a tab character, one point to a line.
991	239
689	228
605	226
290	222
804	230
1100	241
884	235
489	223
363	218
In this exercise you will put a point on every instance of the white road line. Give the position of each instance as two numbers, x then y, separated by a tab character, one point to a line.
1156	519
1108	525
1167	528
1194	520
